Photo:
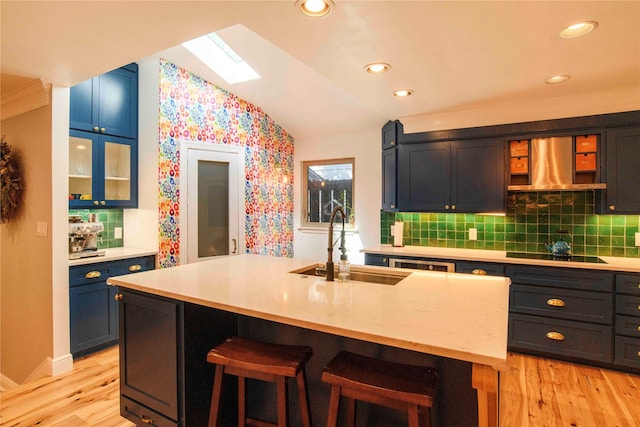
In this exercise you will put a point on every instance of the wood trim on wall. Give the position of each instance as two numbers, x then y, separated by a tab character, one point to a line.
25	99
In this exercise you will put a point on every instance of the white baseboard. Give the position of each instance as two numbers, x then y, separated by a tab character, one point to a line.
7	383
61	364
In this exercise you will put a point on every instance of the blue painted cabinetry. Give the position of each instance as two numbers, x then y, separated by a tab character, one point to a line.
623	154
103	145
389	165
627	340
92	306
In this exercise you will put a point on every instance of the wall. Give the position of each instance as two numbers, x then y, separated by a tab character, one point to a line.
531	219
193	110
26	264
364	146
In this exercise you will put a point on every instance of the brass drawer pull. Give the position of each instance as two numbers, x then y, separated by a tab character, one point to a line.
555	302
135	267
479	272
639	354
638	328
146	419
117	297
557	336
92	275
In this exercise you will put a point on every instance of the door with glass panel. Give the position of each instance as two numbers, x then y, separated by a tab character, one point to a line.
102	171
213	198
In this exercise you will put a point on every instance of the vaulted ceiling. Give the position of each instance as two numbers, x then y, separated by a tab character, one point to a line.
486	61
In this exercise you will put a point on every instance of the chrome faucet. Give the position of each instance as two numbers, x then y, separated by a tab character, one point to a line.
330	270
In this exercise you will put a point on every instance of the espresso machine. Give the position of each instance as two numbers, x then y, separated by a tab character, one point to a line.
83	237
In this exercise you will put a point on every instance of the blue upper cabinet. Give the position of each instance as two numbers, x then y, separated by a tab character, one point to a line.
107	104
622	153
103	141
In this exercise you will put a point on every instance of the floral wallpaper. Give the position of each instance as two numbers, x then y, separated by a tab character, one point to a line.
194	110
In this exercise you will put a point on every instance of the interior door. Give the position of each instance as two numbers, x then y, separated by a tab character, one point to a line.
213	201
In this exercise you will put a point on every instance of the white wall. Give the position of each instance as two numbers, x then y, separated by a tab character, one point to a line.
141	225
365	146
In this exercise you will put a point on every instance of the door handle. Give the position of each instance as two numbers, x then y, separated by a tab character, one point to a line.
235	246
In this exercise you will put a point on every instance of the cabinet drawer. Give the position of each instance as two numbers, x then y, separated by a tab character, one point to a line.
628	284
491	269
135	265
627	304
90	273
586	144
562	303
627	325
628	352
560	337
586	162
375	259
561	278
141	415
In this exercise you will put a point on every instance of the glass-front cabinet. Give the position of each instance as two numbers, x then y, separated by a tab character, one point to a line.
102	171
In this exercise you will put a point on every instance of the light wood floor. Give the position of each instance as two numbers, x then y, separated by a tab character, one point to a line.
536	392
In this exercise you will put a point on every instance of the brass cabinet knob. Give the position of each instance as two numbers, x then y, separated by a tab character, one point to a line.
96	128
135	267
393	143
612	208
556	336
453	206
479	272
555	302
103	130
117	297
95	202
446	206
102	202
384	260
393	206
638	328
92	275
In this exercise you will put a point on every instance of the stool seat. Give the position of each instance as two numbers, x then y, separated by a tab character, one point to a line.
396	385
247	358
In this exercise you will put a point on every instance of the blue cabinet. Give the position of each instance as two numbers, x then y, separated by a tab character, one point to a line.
93	310
452	176
103	145
107	104
390	133
103	171
622	155
627	327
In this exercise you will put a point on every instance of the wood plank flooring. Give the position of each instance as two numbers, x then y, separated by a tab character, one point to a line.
535	392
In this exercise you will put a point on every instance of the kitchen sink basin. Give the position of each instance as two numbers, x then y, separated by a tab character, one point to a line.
360	274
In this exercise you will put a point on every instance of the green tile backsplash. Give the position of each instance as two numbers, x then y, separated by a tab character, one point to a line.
111	218
531	219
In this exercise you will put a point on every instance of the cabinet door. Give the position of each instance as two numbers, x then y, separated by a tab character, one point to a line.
424	172
390	134
623	156
478	176
93	321
151	365
389	180
83	112
103	171
118	103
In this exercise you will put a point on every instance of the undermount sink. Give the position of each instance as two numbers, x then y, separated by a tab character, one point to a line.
359	274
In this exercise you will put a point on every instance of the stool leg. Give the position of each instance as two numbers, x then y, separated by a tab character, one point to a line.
303	397
283	412
334	403
414	417
424	412
351	412
215	396
242	406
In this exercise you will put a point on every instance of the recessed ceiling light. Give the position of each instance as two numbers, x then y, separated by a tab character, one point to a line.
579	29
377	68
314	8
557	79
402	93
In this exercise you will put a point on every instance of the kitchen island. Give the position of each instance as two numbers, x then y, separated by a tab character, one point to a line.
452	321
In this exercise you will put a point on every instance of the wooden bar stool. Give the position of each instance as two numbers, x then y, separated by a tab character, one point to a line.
394	385
246	358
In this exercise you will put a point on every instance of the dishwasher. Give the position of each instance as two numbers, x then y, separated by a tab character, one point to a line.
416	264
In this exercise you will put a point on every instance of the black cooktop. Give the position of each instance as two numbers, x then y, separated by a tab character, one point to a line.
549	257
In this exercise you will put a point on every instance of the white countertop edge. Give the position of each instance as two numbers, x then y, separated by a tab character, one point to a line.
612	263
114	254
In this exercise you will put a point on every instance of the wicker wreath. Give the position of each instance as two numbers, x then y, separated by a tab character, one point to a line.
12	183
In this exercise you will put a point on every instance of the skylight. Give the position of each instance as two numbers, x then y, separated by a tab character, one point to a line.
219	56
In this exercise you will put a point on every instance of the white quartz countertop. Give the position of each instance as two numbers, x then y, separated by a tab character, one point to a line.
113	254
459	316
611	263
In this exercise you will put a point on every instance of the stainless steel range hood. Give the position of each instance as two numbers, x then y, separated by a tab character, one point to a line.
552	166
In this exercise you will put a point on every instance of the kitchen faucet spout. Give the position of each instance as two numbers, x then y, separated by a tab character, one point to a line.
330	271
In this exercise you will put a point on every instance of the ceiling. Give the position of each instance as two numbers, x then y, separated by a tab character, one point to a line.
469	62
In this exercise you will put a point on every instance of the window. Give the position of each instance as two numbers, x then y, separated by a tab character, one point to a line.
327	184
